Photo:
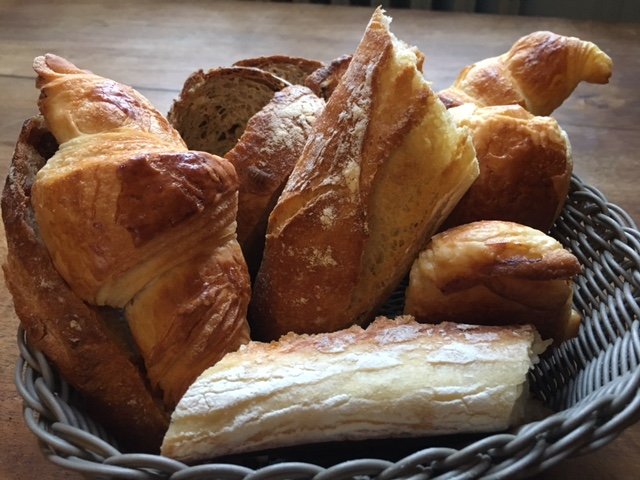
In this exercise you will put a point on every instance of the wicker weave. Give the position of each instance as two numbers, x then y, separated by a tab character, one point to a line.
592	383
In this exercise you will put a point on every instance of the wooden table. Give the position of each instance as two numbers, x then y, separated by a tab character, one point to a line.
155	45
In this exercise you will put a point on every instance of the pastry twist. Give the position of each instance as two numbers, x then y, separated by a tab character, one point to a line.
134	220
539	72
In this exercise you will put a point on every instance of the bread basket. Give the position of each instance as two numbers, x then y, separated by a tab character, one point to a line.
592	383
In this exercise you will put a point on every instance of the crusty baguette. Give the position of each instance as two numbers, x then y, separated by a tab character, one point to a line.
397	378
538	72
383	167
292	69
525	167
264	158
77	338
214	106
127	213
495	273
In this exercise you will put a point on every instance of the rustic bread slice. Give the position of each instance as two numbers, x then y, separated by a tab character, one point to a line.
214	106
292	69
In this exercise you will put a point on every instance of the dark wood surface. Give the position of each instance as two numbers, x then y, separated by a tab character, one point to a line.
155	45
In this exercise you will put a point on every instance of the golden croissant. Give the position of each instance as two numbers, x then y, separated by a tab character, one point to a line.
539	72
133	220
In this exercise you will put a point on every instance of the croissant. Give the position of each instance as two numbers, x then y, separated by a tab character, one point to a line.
539	72
525	167
86	344
133	220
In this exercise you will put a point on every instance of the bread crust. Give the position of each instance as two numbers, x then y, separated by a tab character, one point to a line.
397	378
79	339
264	158
325	79
292	69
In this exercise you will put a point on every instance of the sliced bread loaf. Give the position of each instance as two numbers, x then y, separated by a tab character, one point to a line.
214	106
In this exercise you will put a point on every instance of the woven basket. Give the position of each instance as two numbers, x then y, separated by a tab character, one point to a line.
592	383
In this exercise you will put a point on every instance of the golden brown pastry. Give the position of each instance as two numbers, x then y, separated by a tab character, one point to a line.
82	341
525	167
128	214
397	378
264	157
292	69
495	273
383	167
539	72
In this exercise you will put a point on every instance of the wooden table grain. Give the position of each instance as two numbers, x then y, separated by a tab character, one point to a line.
155	45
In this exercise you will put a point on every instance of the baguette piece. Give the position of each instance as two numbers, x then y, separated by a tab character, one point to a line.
292	69
264	158
82	341
397	378
214	106
525	167
383	167
495	273
538	72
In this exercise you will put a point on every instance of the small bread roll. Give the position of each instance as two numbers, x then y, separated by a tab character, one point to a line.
495	273
525	167
397	378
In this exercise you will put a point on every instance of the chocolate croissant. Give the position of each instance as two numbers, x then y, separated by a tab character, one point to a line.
134	220
539	72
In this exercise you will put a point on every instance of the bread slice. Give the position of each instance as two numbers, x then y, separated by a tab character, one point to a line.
292	69
397	378
264	157
383	167
78	339
495	273
214	106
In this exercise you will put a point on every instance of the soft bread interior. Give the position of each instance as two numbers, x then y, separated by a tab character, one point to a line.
416	187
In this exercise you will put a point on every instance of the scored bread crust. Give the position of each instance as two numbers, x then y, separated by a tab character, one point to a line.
264	158
292	69
214	106
397	378
383	166
79	339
